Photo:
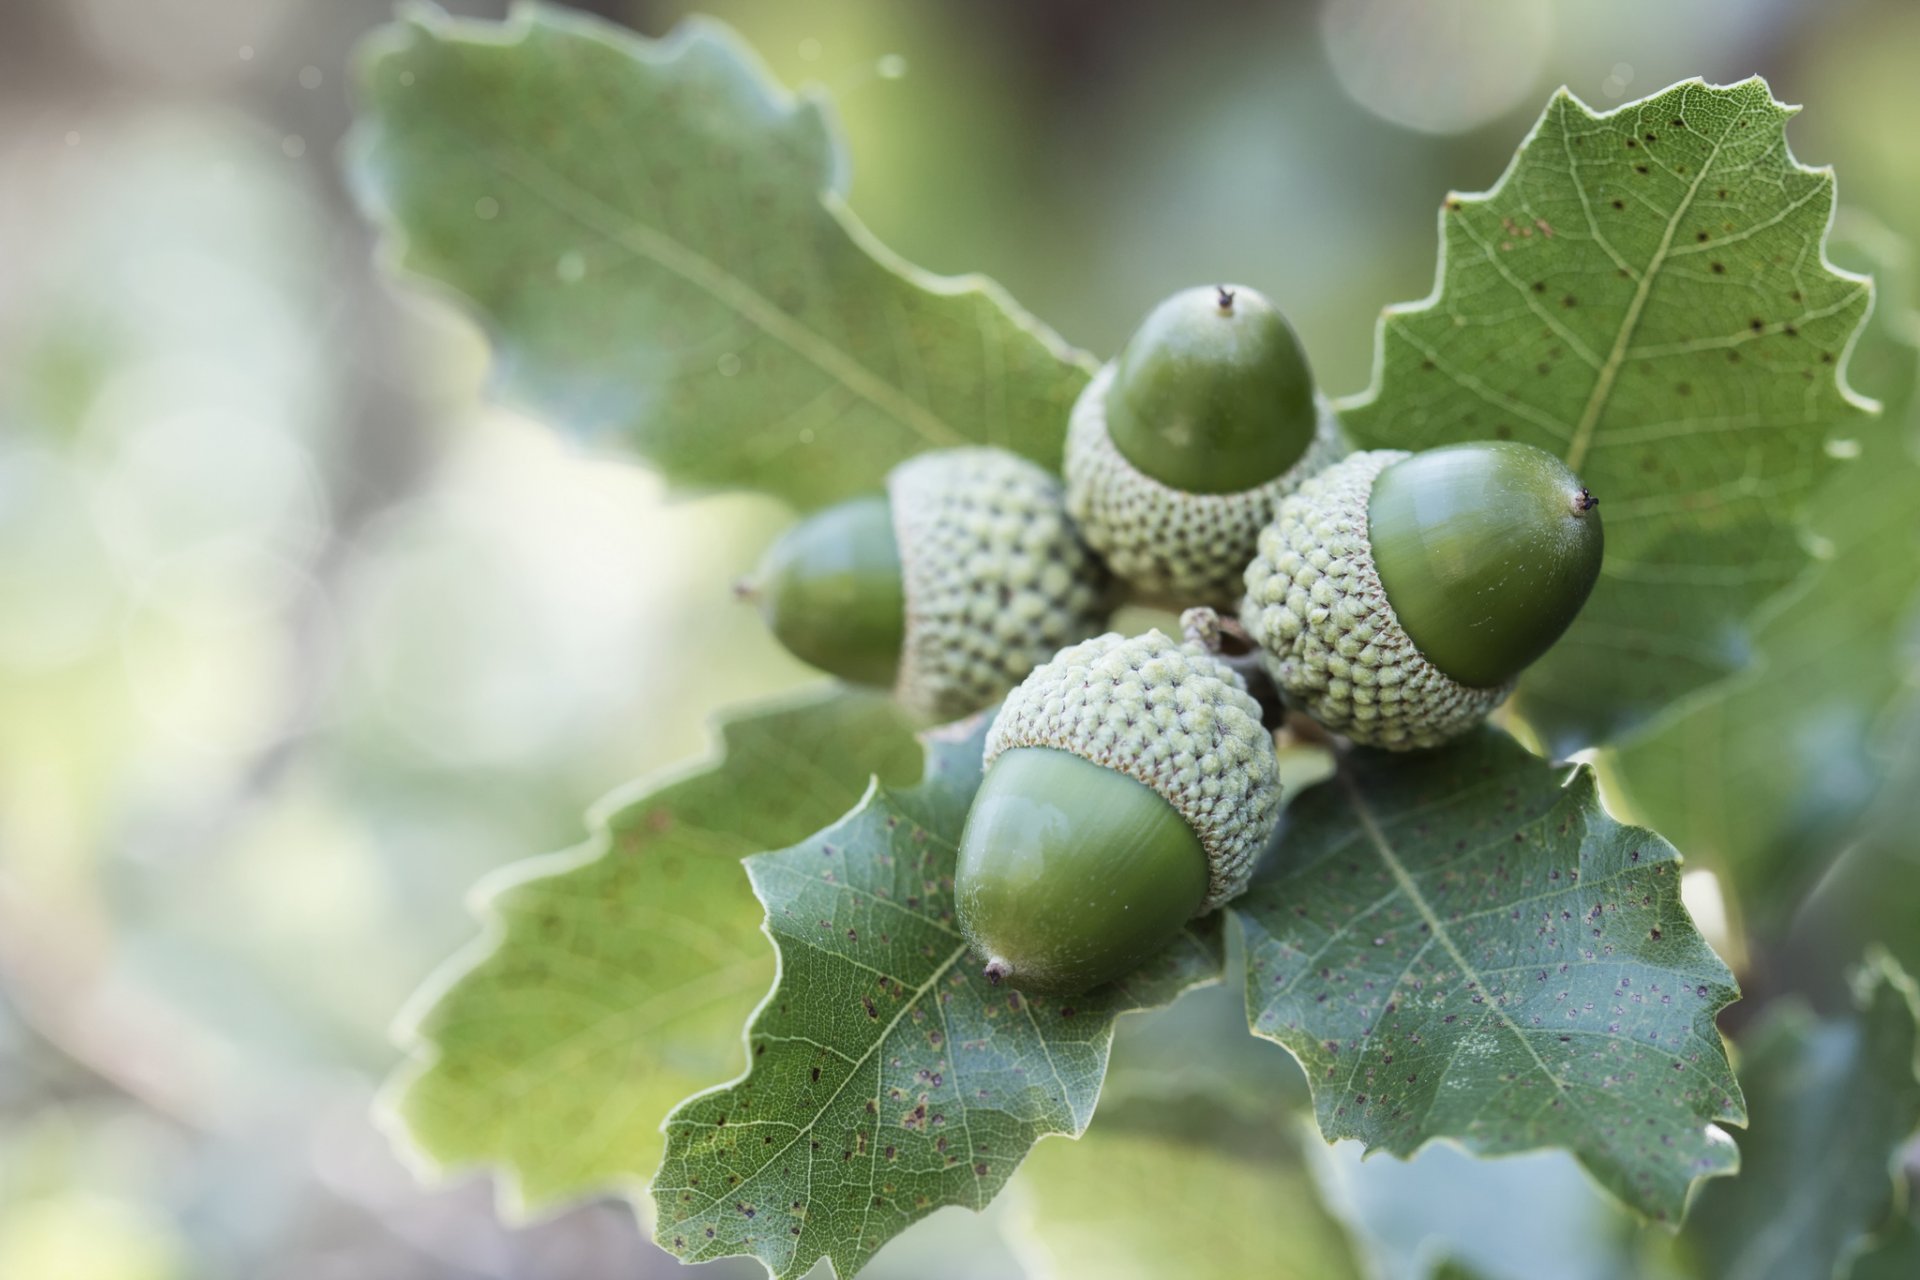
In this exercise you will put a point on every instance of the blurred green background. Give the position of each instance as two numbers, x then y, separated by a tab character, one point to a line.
299	636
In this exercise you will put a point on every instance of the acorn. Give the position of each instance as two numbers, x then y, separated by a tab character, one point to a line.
1179	450
959	581
1129	785
1397	596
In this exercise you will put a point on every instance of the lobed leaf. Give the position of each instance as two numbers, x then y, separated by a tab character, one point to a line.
1771	775
655	235
1644	294
886	1077
1462	944
613	978
1833	1103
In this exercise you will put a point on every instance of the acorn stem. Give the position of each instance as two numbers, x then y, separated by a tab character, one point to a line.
1305	730
1201	626
1227	641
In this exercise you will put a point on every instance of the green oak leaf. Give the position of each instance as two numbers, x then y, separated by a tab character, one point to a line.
1454	1269
1771	774
1893	1254
1833	1103
612	979
1188	1187
1462	944
886	1077
656	238
1643	294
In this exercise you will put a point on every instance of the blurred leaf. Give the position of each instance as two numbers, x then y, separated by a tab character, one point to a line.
1497	1219
1894	1254
1465	945
1771	775
1833	1102
1642	294
613	978
655	235
1178	1188
887	1078
82	1235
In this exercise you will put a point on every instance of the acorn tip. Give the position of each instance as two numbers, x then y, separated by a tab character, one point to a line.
1583	502
1226	297
997	971
746	590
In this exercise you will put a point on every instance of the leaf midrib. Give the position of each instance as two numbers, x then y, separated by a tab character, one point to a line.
853	1072
1437	927
1583	430
572	201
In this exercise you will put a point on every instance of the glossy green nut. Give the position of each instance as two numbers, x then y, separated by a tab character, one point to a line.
1212	393
1486	551
1069	871
829	589
1332	631
1129	785
967	575
1178	452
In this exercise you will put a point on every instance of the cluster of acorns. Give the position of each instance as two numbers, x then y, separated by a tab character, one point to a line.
1131	781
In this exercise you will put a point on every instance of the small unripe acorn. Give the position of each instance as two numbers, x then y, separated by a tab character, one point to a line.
1179	450
1396	596
1129	785
952	587
830	590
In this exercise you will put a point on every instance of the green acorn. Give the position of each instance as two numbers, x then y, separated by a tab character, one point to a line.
953	586
1129	785
1179	451
1396	596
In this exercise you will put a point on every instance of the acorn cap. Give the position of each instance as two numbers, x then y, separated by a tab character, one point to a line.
1315	605
1165	542
996	577
1169	716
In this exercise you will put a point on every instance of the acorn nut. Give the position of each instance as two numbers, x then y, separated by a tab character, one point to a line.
1129	785
1179	450
1396	596
953	586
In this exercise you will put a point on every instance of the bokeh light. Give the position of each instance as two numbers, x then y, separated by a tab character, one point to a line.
1443	67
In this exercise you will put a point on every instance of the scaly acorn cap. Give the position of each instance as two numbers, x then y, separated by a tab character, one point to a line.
996	577
1167	542
1315	606
1497	547
1129	786
1169	715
